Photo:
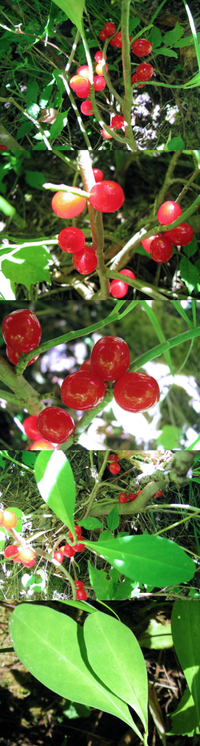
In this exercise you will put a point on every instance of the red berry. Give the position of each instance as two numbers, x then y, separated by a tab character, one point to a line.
78	584
98	174
132	496
85	261
102	35
134	80
83	71
21	331
99	68
114	468
86	365
3	147
106	134
80	85
59	555
157	494
99	82
161	249
136	392
182	235
119	289
86	108
41	445
69	551
142	47
146	243
82	390
30	427
14	356
77	530
26	555
55	424
109	28
71	239
110	358
79	547
9	519
168	212
117	121
81	595
67	205
107	196
122	497
144	71
11	551
113	457
99	56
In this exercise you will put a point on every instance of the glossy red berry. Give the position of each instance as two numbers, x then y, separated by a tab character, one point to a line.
83	71
146	242
102	35
98	174
71	239
132	496
136	392
113	457
142	47
105	134
182	235
14	357
161	249
116	41
79	585
86	108
77	530
109	28
9	519
168	212
79	547
81	595
117	121
82	390
99	82
85	261
110	358
3	147
122	497
59	555
99	56
114	468
67	205
80	85
21	331
144	71
30	427
157	494
69	551
55	425
118	288
107	196
86	365
134	81
11	552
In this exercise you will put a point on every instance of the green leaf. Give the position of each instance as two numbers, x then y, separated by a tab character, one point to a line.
166	52
176	143
113	519
147	559
169	437
184	719
185	621
189	273
74	11
103	588
91	523
155	37
155	323
28	266
125	589
36	179
171	37
51	646
157	636
191	248
56	484
59	124
115	655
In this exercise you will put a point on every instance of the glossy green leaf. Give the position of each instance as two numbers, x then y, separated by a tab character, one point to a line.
91	523
51	646
147	559
73	10
103	588
56	484
184	719
176	143
185	621
113	519
116	657
157	636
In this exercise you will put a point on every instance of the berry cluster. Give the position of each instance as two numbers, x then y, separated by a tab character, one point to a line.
69	550
15	552
161	246
114	467
123	497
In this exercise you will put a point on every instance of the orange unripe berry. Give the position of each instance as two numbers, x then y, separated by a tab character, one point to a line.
26	555
9	519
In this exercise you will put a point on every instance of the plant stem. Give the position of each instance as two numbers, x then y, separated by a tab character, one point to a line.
126	64
28	397
96	221
97	485
131	508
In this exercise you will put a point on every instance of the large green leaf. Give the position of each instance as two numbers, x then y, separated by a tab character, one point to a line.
157	636
184	719
56	484
51	646
185	623
116	657
73	10
147	559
